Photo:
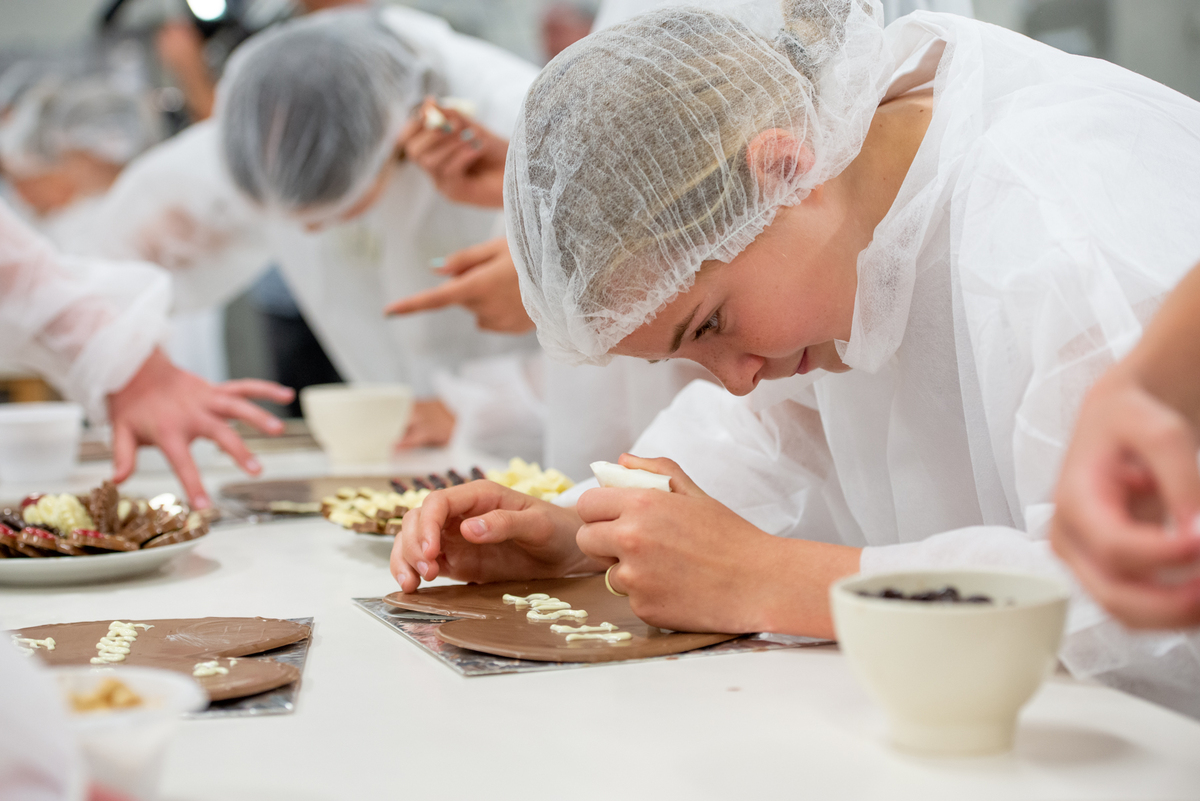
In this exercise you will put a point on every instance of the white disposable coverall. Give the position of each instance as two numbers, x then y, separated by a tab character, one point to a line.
178	204
1051	206
85	325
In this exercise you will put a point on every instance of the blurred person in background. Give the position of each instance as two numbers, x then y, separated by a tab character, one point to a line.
334	200
94	329
65	137
565	22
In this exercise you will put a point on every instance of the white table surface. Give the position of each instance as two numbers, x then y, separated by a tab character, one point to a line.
378	718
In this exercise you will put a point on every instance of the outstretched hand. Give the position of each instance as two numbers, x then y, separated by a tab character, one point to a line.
165	406
481	531
484	282
1129	476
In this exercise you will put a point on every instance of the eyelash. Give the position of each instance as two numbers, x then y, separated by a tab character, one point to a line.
711	324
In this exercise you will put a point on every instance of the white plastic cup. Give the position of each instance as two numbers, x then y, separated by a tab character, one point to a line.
125	749
357	424
39	442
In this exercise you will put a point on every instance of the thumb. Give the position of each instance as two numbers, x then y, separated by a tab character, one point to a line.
680	482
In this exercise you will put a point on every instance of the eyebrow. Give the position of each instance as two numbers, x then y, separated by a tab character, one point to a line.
682	328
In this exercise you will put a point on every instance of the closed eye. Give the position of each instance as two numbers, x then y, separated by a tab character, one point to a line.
711	324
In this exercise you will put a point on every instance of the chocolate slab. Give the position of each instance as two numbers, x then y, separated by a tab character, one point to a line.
208	637
494	627
246	676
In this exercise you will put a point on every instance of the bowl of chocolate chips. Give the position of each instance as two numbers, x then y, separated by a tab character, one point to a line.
952	656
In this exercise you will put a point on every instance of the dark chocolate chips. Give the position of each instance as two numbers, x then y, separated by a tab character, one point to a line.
945	595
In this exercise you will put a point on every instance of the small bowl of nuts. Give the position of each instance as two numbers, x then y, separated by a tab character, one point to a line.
124	718
950	655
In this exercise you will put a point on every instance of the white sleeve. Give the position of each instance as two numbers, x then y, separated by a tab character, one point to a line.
764	456
177	206
496	405
494	79
85	324
1043	314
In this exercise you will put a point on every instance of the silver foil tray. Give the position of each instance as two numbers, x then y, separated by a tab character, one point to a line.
421	628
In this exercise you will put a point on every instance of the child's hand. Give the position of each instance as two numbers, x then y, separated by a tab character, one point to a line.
686	561
482	531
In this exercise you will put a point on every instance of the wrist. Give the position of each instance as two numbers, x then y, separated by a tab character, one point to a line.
799	573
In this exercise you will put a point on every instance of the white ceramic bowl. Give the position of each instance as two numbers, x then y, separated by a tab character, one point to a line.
39	441
951	677
357	424
125	749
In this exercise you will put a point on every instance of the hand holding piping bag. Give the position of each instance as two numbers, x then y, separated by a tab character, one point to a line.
463	158
686	561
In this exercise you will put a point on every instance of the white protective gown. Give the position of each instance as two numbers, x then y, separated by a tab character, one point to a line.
178	204
86	325
1050	208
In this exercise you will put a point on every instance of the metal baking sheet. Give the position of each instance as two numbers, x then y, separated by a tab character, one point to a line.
281	700
421	628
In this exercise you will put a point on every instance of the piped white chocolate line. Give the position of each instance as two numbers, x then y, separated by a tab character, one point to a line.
116	645
577	614
526	600
558	629
213	668
27	646
612	636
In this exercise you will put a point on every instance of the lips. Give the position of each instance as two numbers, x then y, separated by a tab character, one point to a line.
802	368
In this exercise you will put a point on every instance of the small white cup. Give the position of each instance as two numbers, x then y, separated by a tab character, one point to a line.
951	677
357	424
39	442
125	749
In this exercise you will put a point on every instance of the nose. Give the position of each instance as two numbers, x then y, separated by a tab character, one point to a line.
738	372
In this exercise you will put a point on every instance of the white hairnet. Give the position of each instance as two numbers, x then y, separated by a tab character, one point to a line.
58	115
628	167
310	110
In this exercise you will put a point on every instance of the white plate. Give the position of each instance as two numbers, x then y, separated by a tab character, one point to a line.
51	570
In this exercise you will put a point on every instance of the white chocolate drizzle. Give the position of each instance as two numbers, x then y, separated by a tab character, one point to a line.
27	646
557	629
611	636
213	668
558	614
526	600
116	645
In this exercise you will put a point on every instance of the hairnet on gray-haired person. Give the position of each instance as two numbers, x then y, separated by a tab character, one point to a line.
310	110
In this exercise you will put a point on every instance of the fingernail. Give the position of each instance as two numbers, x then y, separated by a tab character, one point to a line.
437	262
476	526
253	466
467	134
202	502
422	568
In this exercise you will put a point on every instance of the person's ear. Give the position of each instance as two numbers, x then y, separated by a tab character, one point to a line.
777	158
